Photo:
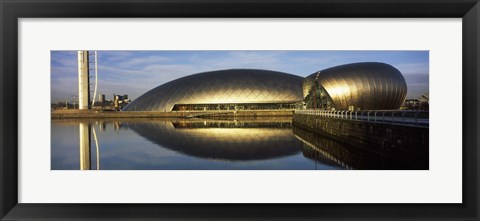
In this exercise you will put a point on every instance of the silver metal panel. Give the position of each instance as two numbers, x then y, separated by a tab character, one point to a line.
222	87
366	85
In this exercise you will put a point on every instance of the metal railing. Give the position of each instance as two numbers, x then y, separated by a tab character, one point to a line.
385	116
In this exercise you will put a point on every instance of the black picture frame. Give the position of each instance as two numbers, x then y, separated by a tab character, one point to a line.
12	10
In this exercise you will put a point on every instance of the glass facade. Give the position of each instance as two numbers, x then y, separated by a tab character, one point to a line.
255	106
318	98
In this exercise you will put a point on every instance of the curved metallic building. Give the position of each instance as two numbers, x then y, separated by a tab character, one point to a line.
357	86
224	89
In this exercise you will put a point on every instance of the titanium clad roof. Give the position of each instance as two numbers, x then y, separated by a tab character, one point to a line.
222	87
368	85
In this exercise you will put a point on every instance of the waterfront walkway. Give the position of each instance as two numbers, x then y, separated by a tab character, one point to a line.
72	114
405	117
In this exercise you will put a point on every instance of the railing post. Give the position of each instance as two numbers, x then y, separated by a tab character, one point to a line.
416	121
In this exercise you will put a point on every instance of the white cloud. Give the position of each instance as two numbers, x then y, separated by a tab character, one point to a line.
143	61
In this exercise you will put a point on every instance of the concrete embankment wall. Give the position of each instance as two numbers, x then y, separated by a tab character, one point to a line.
112	114
75	114
397	142
347	155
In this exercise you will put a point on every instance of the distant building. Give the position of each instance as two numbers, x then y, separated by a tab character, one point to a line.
102	98
120	101
421	103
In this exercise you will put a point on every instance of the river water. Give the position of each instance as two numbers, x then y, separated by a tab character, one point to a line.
196	144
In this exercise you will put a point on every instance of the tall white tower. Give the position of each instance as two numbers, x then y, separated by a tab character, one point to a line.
83	81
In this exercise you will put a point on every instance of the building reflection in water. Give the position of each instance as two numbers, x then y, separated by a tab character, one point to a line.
242	142
223	140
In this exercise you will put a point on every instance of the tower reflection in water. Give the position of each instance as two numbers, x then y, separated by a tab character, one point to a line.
85	132
192	144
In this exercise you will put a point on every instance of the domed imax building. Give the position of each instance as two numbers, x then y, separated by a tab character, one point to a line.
357	86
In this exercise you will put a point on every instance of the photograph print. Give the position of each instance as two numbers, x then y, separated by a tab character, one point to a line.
239	110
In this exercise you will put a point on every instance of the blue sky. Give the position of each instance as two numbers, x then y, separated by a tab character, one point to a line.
136	72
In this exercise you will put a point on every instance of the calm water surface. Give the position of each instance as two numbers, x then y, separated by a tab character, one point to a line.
179	144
